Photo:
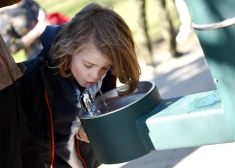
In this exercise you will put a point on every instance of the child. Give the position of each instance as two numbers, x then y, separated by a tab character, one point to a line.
93	48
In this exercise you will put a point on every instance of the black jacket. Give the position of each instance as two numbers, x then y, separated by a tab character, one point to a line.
36	125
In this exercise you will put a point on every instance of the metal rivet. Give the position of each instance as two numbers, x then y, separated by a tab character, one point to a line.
216	81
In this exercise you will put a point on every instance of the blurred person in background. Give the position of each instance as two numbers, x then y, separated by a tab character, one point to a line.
21	25
10	156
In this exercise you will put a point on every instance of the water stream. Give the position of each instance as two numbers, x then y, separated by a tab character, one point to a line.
103	98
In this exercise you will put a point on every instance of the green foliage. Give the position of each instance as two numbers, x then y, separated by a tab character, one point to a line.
19	56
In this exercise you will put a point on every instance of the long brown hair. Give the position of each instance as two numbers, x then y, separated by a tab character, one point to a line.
111	36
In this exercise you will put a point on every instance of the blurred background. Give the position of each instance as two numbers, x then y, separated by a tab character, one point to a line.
169	54
141	15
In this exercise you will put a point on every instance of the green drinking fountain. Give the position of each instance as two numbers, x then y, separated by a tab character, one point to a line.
111	129
132	126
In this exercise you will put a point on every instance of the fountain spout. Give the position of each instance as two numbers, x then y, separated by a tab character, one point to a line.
88	103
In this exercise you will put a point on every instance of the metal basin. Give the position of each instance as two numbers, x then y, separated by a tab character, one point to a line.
115	102
112	130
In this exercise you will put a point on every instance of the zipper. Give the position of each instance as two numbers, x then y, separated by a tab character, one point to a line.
52	131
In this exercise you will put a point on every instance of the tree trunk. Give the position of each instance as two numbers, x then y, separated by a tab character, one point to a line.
144	27
167	27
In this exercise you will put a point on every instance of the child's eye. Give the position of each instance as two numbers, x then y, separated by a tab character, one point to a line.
88	66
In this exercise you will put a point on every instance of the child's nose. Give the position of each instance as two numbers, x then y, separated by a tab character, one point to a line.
95	74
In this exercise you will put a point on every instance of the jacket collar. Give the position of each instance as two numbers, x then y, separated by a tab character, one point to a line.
47	37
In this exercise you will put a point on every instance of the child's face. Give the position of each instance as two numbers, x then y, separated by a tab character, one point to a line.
89	65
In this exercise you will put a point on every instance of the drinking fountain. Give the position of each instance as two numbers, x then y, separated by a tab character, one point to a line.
134	125
111	128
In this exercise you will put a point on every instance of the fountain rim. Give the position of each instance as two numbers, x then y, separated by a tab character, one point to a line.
124	107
